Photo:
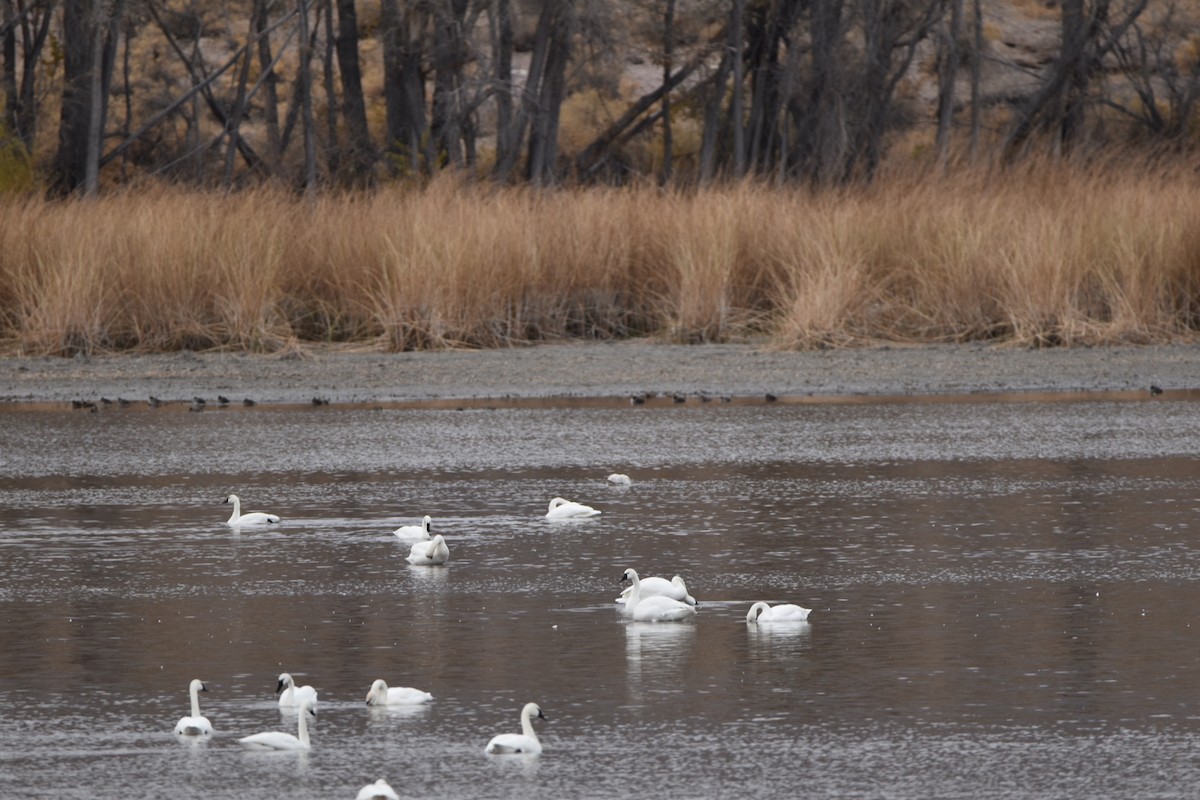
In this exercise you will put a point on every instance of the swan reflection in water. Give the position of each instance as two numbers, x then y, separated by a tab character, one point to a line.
778	638
655	650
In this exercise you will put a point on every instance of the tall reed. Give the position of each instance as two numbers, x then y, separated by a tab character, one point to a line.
1057	255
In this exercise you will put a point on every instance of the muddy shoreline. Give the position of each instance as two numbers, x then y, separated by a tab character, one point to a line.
598	370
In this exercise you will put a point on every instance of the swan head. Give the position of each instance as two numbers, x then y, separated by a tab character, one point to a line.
285	680
197	685
556	502
378	693
687	596
756	611
532	710
629	575
233	498
308	706
427	524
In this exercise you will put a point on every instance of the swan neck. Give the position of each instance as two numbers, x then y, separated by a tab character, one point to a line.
635	594
237	510
527	725
303	726
195	693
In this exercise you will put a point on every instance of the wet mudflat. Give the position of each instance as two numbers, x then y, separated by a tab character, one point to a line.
1003	600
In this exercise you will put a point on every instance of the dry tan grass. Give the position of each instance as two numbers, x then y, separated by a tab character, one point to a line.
1046	255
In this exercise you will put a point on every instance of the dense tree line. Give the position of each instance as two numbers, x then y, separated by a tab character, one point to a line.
789	90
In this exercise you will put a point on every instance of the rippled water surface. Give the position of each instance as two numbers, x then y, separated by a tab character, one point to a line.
1003	594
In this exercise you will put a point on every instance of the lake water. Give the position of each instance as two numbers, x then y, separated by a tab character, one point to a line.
1003	594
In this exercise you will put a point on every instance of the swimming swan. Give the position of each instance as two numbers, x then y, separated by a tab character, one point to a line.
785	612
524	742
675	589
565	509
293	696
283	741
429	553
379	790
195	725
253	518
415	531
382	695
655	608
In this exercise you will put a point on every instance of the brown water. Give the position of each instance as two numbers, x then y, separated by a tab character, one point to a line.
1003	600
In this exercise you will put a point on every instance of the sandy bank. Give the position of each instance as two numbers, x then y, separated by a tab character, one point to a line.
599	370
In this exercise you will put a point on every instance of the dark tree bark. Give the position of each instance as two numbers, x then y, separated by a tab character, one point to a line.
449	60
270	81
1059	105
360	155
976	77
711	133
543	134
304	85
89	52
947	77
21	106
668	55
528	108
501	31
333	146
403	83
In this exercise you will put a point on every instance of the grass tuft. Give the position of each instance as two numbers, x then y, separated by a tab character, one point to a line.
1052	255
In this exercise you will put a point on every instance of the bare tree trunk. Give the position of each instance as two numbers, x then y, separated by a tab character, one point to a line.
737	105
712	115
449	60
305	88
501	30
233	127
89	49
266	65
1059	105
976	77
529	95
543	135
333	143
361	150
21	106
8	79
947	76
91	174
403	82
668	54
592	155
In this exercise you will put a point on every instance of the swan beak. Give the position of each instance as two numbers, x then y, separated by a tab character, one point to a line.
541	715
204	687
279	687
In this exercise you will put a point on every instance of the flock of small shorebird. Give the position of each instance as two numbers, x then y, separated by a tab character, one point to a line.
644	600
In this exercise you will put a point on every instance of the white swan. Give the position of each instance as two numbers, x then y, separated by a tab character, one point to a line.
619	479
524	742
293	696
283	741
252	518
785	612
566	509
655	608
675	589
429	553
415	531
196	724
383	695
379	790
